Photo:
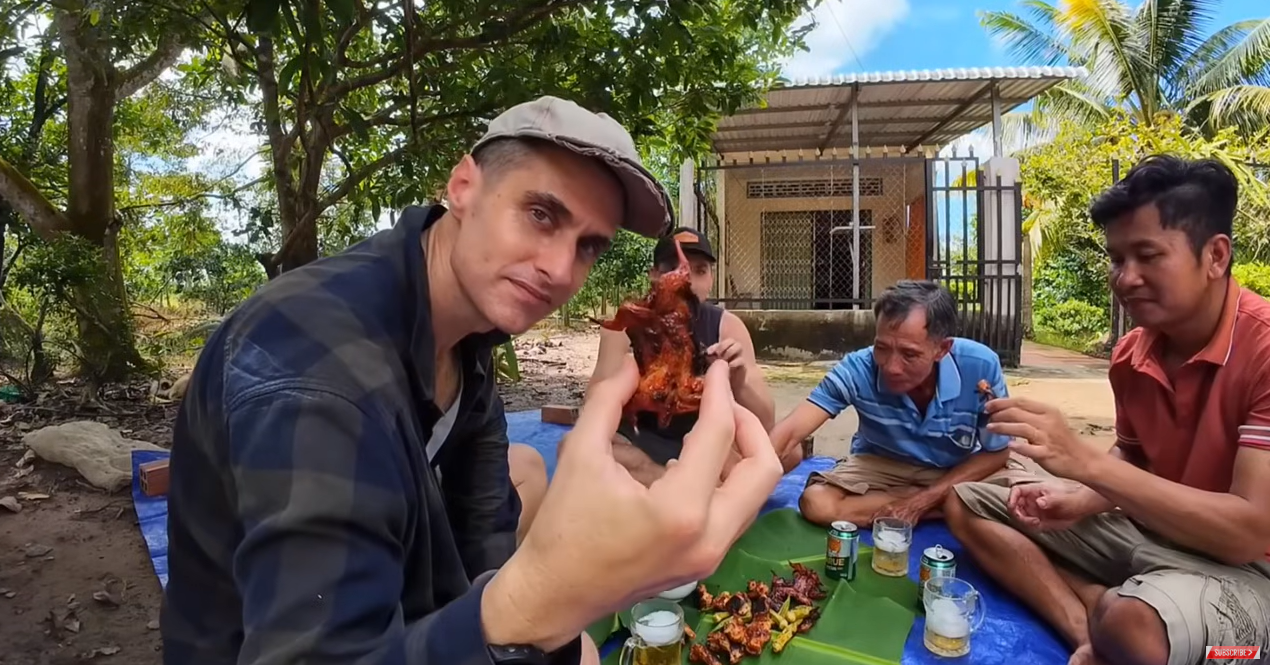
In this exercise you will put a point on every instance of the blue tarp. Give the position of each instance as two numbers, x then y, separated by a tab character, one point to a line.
1011	634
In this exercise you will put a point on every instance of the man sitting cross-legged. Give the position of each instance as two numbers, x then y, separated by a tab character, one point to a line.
1147	555
915	391
646	450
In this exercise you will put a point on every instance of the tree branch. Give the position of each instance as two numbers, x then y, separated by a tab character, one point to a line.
45	219
190	199
358	177
516	23
279	144
143	73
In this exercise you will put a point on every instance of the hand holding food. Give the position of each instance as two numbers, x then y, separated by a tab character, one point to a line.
602	540
660	328
1041	433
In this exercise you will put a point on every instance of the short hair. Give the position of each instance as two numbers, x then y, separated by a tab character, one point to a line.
899	300
501	155
1197	197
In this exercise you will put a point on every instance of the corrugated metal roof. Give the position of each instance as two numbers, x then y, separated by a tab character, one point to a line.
903	109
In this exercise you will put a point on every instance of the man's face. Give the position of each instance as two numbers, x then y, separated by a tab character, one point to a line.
1155	272
702	270
530	234
904	352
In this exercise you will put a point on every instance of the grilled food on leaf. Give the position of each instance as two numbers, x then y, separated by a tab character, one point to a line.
746	623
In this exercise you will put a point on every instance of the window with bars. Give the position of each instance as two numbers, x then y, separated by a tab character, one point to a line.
810	189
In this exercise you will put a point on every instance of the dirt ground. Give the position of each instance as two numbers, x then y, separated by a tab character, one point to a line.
76	583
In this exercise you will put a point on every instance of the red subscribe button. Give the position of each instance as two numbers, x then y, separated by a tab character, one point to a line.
1234	653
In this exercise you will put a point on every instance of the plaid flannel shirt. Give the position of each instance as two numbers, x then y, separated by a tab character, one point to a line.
305	523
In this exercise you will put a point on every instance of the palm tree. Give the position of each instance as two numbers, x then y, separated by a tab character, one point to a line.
1152	59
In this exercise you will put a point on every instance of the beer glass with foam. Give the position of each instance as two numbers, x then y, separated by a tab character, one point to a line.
954	611
892	539
657	631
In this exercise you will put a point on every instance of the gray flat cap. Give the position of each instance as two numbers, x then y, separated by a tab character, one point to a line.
595	135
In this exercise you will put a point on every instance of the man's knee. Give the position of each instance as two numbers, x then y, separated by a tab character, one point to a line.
526	465
955	510
819	502
1128	630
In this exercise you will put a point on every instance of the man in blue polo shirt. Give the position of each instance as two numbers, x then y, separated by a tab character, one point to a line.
916	393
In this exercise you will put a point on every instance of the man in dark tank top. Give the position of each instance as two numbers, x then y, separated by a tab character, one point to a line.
644	450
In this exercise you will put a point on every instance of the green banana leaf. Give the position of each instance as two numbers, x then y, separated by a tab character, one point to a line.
601	630
783	535
864	621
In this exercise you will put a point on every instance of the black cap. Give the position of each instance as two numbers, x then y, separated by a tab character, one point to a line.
689	239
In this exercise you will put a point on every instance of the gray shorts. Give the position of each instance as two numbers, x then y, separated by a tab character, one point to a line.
1202	602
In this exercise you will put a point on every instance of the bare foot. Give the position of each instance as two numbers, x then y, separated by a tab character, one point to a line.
1084	655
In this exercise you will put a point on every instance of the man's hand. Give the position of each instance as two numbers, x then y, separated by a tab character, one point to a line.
1054	506
730	351
910	508
602	541
1046	436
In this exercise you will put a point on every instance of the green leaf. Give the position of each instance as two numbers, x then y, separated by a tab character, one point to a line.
602	629
798	537
94	16
287	77
262	16
343	10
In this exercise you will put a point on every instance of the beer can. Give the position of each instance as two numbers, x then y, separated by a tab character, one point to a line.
937	562
842	551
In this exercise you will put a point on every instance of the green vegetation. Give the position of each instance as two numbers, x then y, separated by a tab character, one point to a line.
1071	298
1161	79
123	227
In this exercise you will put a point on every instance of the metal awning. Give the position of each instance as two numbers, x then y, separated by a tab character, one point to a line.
904	110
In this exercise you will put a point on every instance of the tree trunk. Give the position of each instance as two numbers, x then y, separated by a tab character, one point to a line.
304	248
108	351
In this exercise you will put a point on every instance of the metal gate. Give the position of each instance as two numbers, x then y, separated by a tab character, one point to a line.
974	241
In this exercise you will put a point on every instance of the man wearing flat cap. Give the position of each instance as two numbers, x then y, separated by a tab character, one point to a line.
340	488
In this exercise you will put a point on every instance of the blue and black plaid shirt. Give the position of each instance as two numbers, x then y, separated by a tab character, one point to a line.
306	524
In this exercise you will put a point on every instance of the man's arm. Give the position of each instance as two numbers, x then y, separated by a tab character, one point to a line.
977	467
754	393
834	394
1232	527
322	499
482	505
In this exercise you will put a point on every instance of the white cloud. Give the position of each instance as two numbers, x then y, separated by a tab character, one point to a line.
843	27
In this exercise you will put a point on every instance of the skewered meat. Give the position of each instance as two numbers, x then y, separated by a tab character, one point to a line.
985	389
670	363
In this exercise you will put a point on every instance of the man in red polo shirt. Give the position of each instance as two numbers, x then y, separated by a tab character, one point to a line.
1147	555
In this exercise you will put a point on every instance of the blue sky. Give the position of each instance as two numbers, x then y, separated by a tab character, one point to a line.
889	35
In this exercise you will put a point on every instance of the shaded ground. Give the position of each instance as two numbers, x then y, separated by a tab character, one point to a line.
75	581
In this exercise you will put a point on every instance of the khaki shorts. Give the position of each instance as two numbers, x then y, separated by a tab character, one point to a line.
1201	601
858	474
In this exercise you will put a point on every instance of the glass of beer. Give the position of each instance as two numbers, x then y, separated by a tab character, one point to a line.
892	539
954	611
657	631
